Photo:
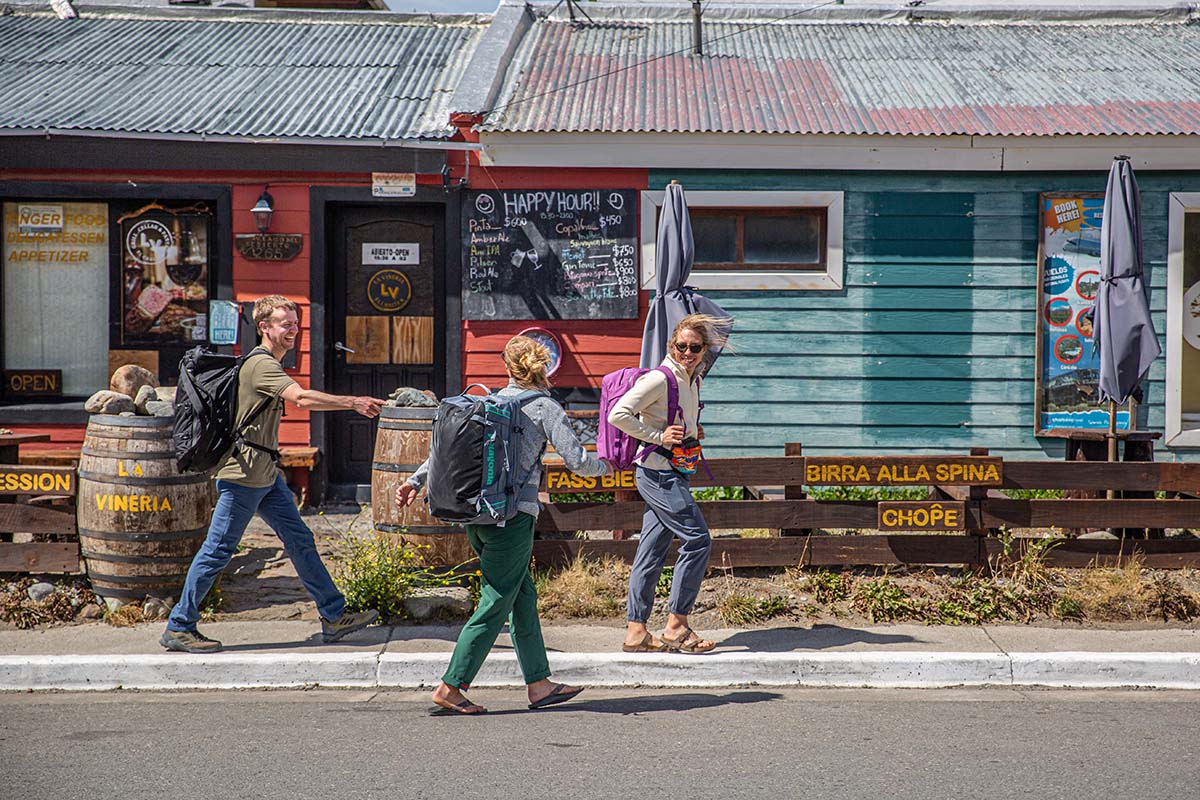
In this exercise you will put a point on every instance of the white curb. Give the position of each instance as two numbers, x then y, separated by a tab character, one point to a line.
871	669
180	671
1107	670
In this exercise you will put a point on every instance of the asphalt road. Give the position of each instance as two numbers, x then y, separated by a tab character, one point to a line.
751	742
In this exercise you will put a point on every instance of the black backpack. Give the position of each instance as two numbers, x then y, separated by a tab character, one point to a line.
206	408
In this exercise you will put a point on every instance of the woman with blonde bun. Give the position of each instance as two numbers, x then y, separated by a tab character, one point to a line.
504	552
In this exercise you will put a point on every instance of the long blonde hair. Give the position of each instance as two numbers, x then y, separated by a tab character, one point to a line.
711	330
526	362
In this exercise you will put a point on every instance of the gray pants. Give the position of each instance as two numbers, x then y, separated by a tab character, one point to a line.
670	511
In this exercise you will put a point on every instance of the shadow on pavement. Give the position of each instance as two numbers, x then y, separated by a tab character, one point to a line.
626	706
818	637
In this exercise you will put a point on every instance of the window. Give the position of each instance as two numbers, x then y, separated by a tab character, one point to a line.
55	286
759	238
165	275
756	240
1183	321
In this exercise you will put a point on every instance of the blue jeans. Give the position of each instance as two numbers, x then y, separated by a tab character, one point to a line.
236	504
670	511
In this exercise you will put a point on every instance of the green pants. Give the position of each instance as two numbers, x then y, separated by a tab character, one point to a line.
507	592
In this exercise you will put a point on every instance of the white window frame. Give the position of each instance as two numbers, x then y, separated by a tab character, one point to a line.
1180	204
829	279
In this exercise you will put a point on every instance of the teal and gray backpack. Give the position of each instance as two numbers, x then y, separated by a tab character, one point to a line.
474	475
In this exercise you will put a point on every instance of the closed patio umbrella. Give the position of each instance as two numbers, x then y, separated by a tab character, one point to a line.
673	299
1123	332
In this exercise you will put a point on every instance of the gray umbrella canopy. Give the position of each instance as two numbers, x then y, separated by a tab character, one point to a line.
673	300
1123	332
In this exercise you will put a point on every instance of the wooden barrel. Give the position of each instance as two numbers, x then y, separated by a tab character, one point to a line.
140	520
401	445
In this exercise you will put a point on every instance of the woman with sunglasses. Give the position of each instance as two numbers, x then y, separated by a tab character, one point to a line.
665	486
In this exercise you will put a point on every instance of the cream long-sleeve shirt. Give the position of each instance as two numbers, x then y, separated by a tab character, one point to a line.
642	412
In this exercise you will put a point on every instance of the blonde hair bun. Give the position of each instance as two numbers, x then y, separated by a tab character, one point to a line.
526	361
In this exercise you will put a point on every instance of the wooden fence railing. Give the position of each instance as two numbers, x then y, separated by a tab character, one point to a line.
38	501
965	504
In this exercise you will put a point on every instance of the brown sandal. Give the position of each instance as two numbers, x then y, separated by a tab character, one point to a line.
690	642
646	645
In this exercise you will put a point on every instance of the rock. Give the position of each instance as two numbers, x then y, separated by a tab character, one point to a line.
166	393
144	395
156	609
115	603
453	601
158	408
108	402
128	414
406	397
40	591
1097	535
130	378
89	611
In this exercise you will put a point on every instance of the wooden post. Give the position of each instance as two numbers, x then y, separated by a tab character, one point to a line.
976	495
794	491
623	496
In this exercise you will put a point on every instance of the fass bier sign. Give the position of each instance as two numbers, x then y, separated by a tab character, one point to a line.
560	479
906	471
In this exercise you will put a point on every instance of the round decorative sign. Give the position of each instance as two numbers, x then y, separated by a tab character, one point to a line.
1191	316
549	341
389	290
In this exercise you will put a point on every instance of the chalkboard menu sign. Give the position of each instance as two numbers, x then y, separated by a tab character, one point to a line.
550	254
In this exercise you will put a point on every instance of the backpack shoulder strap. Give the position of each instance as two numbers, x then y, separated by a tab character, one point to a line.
672	394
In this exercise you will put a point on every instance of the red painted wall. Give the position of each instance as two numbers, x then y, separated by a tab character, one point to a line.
591	347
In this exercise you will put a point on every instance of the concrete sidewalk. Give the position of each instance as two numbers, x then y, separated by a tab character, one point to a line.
284	654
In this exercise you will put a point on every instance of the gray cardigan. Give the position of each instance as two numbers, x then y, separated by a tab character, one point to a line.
550	423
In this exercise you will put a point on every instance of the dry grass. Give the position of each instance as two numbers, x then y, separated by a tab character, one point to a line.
758	533
1130	592
126	616
585	588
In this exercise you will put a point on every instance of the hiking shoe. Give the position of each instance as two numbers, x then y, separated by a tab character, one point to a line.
345	624
189	642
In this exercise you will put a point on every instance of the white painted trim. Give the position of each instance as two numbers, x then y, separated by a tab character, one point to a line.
1180	203
832	152
831	279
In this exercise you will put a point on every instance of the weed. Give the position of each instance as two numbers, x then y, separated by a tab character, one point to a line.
719	493
1035	494
380	571
662	589
17	608
882	600
867	492
585	588
1168	599
126	616
1067	607
740	608
582	497
829	587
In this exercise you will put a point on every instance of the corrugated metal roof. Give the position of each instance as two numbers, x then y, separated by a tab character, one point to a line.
273	74
855	78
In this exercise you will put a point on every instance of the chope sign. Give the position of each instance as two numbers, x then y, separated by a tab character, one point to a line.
33	382
907	471
943	515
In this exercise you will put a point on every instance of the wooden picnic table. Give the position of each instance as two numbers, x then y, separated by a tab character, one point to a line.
10	444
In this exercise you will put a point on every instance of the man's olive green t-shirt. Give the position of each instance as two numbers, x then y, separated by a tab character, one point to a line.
261	379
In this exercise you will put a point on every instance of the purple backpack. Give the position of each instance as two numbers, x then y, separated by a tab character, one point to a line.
614	444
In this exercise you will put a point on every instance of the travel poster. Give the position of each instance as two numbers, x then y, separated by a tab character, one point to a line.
1069	277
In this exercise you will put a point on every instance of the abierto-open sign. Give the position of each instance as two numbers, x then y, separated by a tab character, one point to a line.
376	254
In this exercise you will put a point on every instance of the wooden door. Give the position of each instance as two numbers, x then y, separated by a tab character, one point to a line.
384	300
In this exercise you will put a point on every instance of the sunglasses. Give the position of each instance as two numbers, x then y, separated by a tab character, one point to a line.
683	348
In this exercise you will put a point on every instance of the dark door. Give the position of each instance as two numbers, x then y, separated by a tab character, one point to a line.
386	306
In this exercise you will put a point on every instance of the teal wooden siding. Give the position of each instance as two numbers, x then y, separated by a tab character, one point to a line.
929	348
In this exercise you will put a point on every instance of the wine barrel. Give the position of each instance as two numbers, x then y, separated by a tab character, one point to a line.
401	445
140	520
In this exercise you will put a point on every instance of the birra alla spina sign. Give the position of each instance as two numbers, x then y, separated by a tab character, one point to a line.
904	471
